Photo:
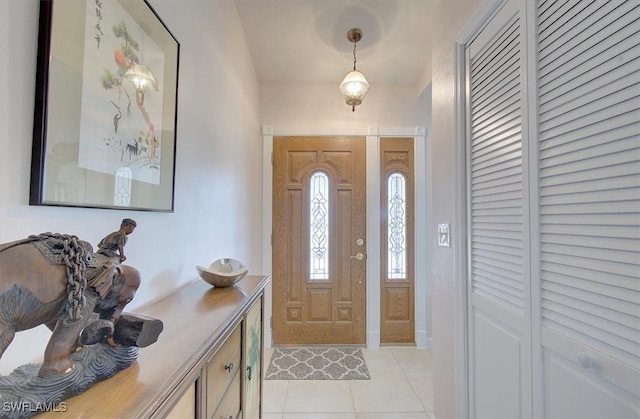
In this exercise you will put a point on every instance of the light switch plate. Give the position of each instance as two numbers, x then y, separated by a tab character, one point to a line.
443	235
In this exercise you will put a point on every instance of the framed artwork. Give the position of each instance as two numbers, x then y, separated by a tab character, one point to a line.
106	105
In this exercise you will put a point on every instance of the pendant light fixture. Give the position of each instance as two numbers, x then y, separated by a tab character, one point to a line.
354	87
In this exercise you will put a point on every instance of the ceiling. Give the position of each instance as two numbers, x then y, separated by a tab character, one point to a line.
306	40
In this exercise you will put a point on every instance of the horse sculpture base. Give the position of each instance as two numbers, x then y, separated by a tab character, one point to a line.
23	394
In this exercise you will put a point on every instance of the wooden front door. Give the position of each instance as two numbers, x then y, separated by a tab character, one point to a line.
319	226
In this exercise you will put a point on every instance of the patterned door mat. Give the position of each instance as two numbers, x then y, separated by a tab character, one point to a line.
317	363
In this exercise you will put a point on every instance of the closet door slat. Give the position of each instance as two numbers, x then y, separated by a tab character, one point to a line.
589	173
496	170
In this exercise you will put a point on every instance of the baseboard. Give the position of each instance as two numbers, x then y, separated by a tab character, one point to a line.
422	340
267	339
373	340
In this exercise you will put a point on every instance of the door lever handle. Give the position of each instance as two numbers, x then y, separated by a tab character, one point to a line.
358	256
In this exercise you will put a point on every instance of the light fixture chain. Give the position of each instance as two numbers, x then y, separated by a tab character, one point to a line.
354	55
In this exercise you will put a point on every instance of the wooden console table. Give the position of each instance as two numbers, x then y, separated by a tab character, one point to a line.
206	363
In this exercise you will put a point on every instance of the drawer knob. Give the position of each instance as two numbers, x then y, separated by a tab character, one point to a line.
586	361
229	367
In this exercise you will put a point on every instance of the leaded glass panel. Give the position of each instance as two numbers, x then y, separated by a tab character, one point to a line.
122	192
397	227
319	226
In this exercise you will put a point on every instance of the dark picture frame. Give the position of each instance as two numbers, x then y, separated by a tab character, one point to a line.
105	115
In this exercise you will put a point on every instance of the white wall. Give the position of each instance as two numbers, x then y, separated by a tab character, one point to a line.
449	18
218	164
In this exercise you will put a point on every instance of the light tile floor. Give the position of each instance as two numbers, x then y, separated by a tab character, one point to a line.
401	387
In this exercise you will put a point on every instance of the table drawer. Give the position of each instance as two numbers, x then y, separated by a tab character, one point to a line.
229	407
222	369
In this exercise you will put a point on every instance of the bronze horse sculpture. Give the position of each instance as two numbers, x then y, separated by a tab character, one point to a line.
57	280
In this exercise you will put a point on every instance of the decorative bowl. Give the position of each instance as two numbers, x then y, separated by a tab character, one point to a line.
223	272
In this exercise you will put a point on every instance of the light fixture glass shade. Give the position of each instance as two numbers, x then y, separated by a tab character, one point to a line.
141	77
354	87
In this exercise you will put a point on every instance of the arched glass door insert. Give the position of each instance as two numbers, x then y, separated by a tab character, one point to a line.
319	226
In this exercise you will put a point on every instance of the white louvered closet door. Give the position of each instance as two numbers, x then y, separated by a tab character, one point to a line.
499	283
589	207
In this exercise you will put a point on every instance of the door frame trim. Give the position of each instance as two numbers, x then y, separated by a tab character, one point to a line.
483	14
372	134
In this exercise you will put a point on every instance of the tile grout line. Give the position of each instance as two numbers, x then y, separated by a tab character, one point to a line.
353	402
286	395
410	383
